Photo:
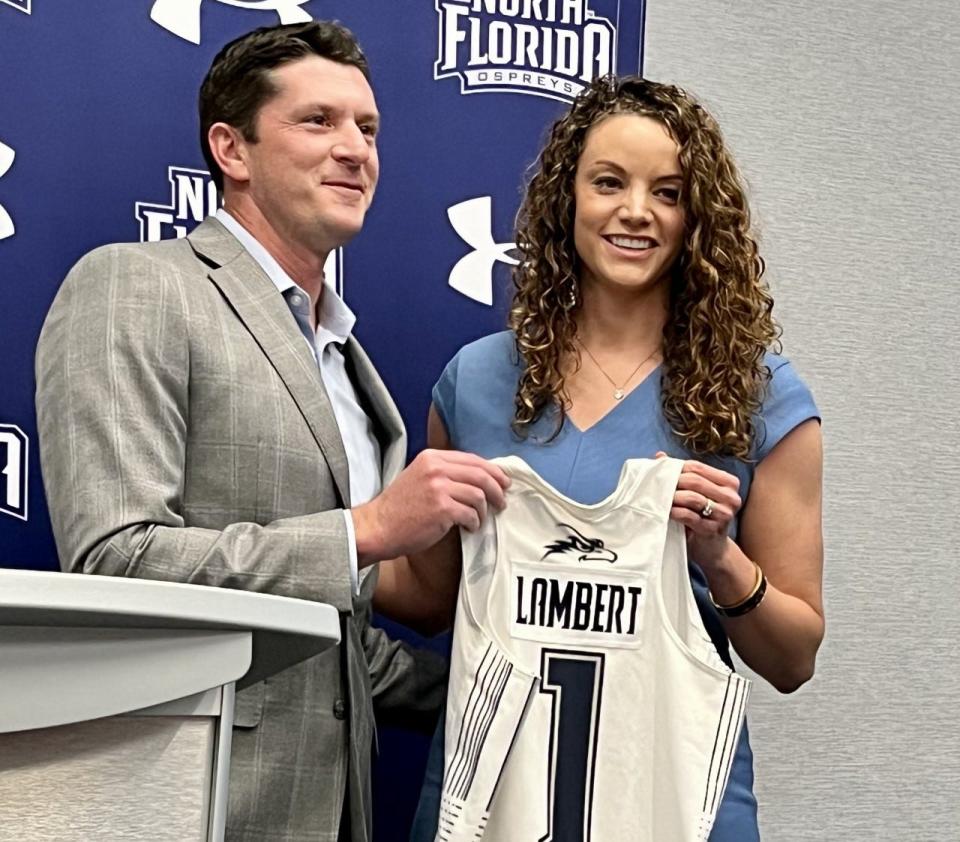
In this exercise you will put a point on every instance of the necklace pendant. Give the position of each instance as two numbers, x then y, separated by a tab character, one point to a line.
618	394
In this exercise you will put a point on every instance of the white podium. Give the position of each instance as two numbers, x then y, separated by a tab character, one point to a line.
116	700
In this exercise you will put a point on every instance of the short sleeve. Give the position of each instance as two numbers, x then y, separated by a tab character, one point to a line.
788	404
445	397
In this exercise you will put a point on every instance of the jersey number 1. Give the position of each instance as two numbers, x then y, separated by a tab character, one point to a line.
575	681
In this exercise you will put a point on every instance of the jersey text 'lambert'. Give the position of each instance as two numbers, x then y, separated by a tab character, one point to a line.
576	605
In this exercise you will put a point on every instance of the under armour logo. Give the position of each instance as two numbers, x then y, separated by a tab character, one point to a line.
473	274
6	161
587	549
14	446
182	17
19	5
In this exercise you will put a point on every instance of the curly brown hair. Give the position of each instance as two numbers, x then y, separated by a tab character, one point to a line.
720	321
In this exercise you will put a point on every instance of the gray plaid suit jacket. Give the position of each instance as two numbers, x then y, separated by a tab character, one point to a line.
185	435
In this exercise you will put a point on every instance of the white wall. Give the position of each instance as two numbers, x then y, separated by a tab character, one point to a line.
845	118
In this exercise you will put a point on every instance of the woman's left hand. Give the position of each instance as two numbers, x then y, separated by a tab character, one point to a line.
706	502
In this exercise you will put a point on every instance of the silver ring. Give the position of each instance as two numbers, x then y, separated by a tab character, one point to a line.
707	510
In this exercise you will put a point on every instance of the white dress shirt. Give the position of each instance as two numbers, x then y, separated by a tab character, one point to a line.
335	321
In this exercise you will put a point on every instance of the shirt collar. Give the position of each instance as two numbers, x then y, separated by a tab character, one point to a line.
334	316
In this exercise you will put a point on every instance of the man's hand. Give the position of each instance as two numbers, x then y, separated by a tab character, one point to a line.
440	489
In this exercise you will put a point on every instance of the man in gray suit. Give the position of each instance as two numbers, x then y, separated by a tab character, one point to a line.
206	416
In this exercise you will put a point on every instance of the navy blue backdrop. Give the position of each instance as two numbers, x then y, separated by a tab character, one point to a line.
98	143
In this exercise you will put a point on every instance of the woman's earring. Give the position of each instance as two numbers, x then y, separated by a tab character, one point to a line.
571	298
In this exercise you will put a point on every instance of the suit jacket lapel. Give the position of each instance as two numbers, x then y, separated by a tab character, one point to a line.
254	298
384	411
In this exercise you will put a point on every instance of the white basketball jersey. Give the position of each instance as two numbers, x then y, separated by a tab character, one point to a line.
587	702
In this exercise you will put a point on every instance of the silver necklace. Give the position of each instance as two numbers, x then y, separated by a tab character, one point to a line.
618	393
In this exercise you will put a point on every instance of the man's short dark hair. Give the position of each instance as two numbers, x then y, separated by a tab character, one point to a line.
238	82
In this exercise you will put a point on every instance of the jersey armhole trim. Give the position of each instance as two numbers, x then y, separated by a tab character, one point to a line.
719	668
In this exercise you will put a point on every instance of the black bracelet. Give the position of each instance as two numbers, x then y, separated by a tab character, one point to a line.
747	605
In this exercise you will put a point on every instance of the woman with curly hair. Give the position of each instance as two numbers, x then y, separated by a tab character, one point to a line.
640	326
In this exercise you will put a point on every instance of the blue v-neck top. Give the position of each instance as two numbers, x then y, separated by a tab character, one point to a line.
475	399
475	396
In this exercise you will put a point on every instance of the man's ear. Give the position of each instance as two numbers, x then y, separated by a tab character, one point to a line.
229	150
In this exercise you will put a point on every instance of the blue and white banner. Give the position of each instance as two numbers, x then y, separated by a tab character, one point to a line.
99	143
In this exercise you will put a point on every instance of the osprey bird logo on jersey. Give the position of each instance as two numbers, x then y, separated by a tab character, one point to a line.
589	549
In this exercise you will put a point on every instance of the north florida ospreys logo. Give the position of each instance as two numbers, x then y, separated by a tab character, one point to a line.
548	48
182	17
576	543
193	197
